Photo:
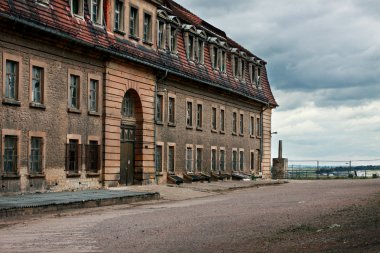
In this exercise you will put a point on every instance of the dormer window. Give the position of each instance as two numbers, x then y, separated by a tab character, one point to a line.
96	11
133	22
190	47
147	36
161	34
258	77
255	72
242	71
214	57
200	51
119	16
77	7
173	39
223	61
235	63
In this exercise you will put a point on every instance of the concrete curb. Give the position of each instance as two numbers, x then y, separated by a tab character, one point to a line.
54	207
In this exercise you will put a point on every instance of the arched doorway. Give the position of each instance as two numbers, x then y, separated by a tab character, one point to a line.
130	138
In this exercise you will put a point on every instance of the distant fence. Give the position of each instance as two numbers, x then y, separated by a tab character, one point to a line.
319	169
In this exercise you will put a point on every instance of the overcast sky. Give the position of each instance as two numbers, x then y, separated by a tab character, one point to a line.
323	65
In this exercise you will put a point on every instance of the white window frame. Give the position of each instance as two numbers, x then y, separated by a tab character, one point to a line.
80	13
99	14
239	159
191	148
215	149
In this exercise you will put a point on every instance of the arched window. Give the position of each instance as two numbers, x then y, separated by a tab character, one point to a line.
127	109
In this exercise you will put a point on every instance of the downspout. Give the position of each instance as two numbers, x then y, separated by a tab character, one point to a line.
154	122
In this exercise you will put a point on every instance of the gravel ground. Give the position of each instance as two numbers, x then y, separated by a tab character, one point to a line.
301	216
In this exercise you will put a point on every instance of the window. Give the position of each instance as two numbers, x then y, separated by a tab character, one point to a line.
258	80
37	84
213	119
213	158
252	160
10	154
222	159
199	159
77	7
159	107
189	114
214	52
190	47
258	127
96	11
241	160
241	124
35	160
128	106
93	96
173	39
93	157
171	110
11	80
74	91
171	154
147	36
189	159
159	158
242	71
258	159
72	156
223	61
161	35
222	115
199	116
200	51
252	74
235	63
133	22
234	160
234	122
119	15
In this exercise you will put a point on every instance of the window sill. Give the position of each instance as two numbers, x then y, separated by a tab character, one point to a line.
189	127
161	50
98	26
234	134
149	43
222	132
92	174
199	129
160	174
251	136
159	123
119	32
10	176
7	101
241	135
74	110
78	16
258	137
37	105
96	114
72	174
36	175
213	131
134	37
172	124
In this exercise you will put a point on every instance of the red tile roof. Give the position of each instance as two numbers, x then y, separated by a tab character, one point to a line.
57	19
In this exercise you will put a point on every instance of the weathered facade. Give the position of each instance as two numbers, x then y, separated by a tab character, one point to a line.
105	93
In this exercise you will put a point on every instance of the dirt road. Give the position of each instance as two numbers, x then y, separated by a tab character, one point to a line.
301	216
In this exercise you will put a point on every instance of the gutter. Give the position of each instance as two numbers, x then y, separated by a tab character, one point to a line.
125	56
162	78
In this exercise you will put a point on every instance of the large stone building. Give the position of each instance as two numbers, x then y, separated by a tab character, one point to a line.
111	92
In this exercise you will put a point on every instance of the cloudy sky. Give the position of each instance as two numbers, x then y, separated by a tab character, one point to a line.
323	65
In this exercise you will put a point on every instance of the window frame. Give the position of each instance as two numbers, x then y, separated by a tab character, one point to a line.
17	134
169	146
80	13
98	140
214	118
120	20
252	160
172	115
189	147
234	162
42	136
189	114
133	31
147	28
214	159
128	111
161	41
241	123
43	66
159	144
99	14
234	122
258	127
198	147
99	94
173	38
19	79
200	49
222	168
241	159
78	138
79	74
222	119
199	116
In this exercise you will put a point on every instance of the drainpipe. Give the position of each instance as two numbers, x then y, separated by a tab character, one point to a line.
159	79
262	135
